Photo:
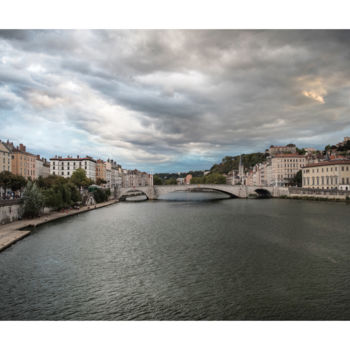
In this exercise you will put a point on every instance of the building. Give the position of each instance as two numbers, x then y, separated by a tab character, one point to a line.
345	141
135	178
5	158
232	178
42	167
101	170
22	162
180	180
273	150
333	174
284	167
66	166
188	179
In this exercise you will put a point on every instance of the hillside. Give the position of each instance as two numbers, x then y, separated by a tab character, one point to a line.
231	163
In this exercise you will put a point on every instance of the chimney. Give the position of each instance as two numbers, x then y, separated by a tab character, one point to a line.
22	148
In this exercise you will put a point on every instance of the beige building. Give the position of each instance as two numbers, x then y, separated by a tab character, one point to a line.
22	162
284	167
101	172
5	158
327	175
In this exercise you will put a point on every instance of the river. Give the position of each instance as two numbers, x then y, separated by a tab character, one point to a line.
181	259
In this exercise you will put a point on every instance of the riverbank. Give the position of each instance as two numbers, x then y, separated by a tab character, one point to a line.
15	231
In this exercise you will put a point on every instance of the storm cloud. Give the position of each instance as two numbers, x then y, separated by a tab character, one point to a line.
171	99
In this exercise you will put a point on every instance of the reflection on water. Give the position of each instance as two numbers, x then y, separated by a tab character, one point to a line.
184	260
193	196
139	198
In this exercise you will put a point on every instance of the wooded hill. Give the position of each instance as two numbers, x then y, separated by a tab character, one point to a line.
232	163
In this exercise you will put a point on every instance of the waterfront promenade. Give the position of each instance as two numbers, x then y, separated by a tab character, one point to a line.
14	231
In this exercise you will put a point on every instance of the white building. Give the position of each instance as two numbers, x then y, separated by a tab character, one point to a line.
42	167
66	166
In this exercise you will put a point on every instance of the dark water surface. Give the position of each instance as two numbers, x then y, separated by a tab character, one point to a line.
184	260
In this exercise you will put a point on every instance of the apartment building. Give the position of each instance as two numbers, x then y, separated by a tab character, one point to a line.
101	170
42	167
66	166
116	173
284	167
5	158
22	162
334	174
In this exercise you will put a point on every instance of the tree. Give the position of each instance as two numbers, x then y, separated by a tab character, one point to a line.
80	179
101	195
9	180
297	180
33	200
157	180
6	179
100	181
171	181
212	178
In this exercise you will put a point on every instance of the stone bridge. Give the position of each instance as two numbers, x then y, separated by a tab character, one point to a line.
239	191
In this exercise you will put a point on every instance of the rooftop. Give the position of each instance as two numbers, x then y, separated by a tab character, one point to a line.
329	162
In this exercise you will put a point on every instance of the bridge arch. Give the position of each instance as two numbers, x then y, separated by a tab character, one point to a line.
263	193
228	190
128	193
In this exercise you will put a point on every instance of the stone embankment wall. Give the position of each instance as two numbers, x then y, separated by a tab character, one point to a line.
10	211
318	194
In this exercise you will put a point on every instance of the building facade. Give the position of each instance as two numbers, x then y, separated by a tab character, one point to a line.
42	167
66	166
188	179
22	162
273	150
284	167
327	175
5	158
101	170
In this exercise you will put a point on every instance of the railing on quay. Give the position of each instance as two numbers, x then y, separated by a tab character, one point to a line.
318	191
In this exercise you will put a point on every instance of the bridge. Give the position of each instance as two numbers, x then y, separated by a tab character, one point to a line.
238	191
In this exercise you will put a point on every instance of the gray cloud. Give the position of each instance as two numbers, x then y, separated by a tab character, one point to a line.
158	97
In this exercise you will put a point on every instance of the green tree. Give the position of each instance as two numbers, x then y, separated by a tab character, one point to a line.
33	200
9	180
297	180
171	181
157	180
6	179
101	195
212	178
80	179
100	181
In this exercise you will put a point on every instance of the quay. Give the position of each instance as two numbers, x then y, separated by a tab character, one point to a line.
15	231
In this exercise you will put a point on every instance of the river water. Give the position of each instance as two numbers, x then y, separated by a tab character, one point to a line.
234	259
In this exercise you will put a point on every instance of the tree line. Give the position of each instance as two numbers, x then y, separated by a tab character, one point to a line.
54	191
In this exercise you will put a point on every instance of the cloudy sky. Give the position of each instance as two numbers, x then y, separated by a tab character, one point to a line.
172	100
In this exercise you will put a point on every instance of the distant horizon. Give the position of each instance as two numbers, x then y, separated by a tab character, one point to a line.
173	100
